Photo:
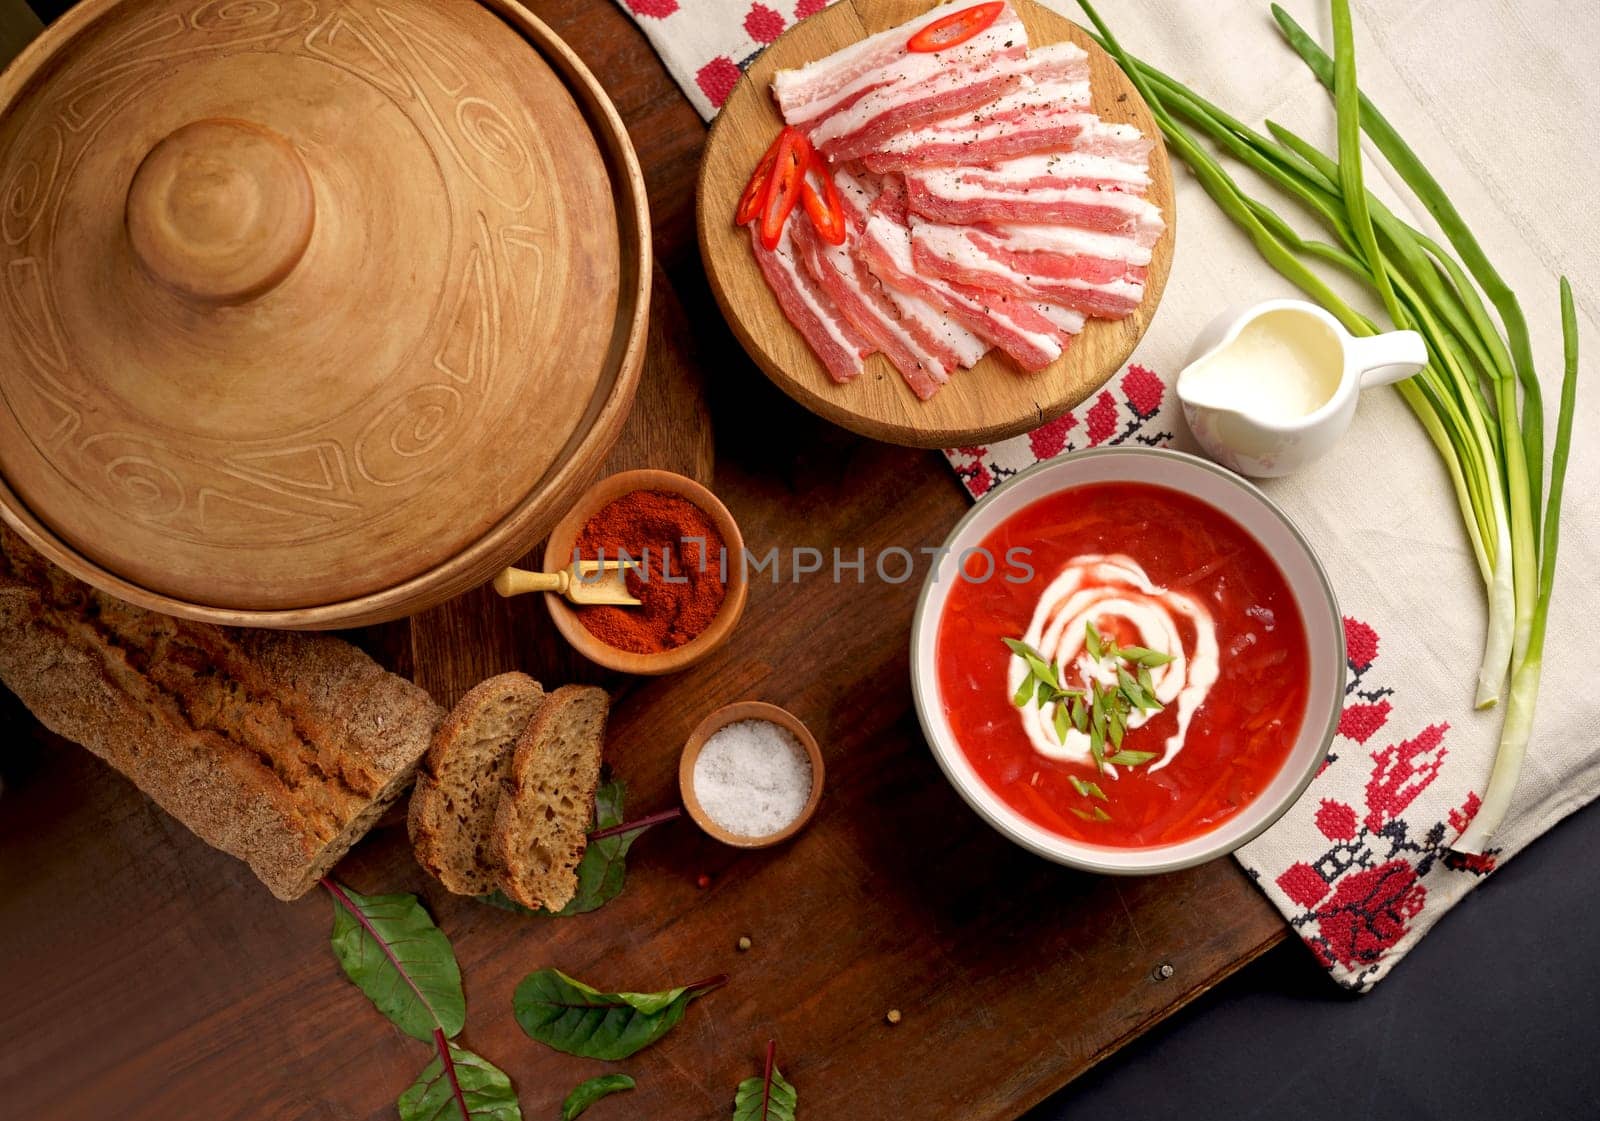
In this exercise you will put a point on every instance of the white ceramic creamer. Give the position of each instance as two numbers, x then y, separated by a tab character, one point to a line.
1271	387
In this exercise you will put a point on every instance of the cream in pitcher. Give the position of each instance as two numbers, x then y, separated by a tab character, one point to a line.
1269	389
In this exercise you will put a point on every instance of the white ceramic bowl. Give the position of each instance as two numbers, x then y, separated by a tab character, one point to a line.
1283	542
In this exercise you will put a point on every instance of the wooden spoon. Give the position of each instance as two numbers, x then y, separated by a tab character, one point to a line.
587	582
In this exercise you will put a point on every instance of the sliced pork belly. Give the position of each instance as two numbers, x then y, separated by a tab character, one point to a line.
832	338
933	321
923	359
1088	272
860	196
889	110
1015	326
811	93
1047	111
1064	318
1094	190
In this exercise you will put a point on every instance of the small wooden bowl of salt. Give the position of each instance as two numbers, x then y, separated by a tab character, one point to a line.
751	775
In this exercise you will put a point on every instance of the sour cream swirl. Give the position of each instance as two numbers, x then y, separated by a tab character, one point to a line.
1115	587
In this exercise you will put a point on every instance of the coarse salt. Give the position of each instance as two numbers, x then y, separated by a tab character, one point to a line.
753	777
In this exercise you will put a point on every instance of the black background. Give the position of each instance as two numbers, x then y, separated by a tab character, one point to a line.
1496	1014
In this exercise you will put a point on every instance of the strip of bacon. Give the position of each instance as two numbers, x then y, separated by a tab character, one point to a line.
1043	87
860	197
832	338
991	134
830	84
1064	318
923	359
1083	271
1085	189
1015	326
889	110
1111	255
1045	112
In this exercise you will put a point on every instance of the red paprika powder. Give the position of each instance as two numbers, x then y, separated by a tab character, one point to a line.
679	583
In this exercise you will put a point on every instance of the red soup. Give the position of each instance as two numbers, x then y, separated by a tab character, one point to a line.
1160	608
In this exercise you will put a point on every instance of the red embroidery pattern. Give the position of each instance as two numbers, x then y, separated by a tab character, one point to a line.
1337	821
1113	417
1360	644
716	79
655	9
1403	770
763	24
1356	901
1368	914
1360	722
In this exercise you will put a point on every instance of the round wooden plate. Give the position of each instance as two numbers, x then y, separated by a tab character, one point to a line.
992	400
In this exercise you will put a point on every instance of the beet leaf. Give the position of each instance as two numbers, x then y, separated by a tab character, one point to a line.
391	950
587	1093
767	1098
573	1017
459	1086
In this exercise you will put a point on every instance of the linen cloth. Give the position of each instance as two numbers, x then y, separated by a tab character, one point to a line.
1497	99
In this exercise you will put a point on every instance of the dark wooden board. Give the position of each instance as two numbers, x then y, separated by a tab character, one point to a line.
147	976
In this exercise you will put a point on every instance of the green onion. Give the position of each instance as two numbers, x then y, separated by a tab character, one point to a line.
1525	681
1467	398
1432	196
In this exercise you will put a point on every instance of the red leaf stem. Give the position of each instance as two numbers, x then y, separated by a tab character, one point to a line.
642	823
766	1079
707	985
449	1065
344	901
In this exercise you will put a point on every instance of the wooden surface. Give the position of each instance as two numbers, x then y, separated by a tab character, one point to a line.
148	977
992	400
337	306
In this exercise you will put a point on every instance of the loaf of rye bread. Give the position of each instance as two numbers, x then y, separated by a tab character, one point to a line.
281	749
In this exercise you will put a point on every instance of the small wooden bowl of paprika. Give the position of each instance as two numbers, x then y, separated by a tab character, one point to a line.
691	582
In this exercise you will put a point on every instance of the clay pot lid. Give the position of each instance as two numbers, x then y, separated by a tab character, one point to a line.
298	298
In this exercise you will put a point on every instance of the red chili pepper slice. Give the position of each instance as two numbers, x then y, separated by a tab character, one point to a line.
955	28
824	208
755	191
784	189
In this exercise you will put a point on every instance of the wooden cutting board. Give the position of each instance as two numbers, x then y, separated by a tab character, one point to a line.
993	399
145	973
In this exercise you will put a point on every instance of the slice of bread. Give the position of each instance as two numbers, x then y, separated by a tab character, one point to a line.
547	805
458	786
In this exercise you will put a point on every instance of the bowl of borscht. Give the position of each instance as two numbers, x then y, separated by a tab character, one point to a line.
1128	660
